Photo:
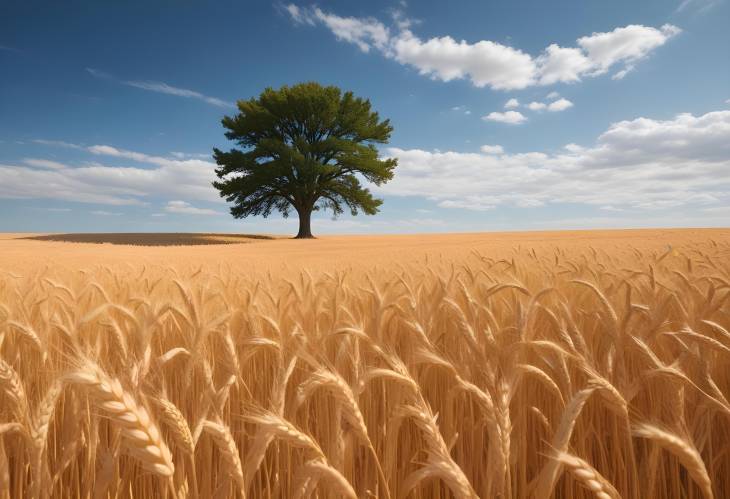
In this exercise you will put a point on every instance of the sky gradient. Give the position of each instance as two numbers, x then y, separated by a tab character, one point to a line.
508	115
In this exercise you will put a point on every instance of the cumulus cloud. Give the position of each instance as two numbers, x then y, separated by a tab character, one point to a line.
639	164
512	103
561	64
111	185
182	207
492	149
626	44
559	105
484	63
162	88
489	63
509	117
553	95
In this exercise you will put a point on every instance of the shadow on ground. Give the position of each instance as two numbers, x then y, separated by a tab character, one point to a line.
153	239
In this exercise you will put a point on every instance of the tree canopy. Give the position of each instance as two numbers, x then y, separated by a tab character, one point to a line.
303	148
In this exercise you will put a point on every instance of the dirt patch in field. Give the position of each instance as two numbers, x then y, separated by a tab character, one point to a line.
153	239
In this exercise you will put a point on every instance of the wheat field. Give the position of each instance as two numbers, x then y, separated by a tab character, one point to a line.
567	365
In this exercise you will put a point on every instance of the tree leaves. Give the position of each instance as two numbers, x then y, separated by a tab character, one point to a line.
304	147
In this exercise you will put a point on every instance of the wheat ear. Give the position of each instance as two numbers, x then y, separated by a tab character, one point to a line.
229	452
318	469
178	425
12	386
284	430
138	429
588	476
683	450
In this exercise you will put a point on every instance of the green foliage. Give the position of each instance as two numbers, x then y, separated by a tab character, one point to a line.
305	148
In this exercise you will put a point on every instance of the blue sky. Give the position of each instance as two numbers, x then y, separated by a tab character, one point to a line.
508	115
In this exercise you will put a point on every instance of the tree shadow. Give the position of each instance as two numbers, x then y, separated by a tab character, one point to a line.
153	239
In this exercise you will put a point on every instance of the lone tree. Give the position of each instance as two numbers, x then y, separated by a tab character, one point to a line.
303	148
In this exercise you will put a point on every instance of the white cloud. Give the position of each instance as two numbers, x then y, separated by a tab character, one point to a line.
560	105
111	185
492	149
44	163
597	53
512	103
182	207
489	63
57	143
473	203
553	95
640	164
510	117
298	15
364	33
562	64
163	88
121	153
185	155
575	148
619	75
557	105
484	63
626	44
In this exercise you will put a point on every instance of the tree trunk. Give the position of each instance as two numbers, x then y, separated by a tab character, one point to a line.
305	224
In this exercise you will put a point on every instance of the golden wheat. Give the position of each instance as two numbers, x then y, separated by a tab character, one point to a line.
575	368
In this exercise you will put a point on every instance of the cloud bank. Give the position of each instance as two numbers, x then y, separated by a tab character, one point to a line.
644	164
636	164
491	64
111	185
